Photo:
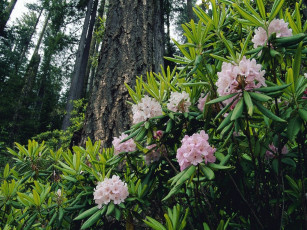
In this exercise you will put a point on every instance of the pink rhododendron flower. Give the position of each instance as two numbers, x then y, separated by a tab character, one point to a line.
233	78
112	189
269	154
201	102
194	150
179	102
278	26
127	146
148	107
154	154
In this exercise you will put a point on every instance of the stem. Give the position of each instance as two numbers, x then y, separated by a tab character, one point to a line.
168	160
246	202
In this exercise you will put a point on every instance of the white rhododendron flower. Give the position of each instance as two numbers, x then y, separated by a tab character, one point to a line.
194	150
179	102
112	189
278	26
127	146
233	78
148	107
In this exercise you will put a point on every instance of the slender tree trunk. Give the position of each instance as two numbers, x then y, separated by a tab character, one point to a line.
158	31
77	83
30	74
189	9
29	79
127	51
26	46
7	13
89	68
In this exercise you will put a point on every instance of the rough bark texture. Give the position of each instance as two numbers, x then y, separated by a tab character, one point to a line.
77	82
127	52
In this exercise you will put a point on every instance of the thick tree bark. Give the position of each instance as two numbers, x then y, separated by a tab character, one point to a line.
8	12
127	52
77	83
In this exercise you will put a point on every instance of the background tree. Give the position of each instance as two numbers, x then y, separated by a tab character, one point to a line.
77	82
5	14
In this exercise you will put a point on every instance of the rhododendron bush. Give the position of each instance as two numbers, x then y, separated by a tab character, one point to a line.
218	142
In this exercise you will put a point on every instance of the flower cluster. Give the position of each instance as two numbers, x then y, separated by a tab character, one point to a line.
278	26
179	102
194	150
110	189
127	146
154	154
147	108
233	78
270	154
201	102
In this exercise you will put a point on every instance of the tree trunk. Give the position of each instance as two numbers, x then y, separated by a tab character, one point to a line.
189	9
93	51
158	31
7	13
77	83
26	46
127	52
29	77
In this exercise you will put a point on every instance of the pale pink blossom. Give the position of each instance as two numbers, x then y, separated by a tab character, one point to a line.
148	107
179	102
59	192
278	26
269	154
201	102
127	146
234	78
111	189
194	150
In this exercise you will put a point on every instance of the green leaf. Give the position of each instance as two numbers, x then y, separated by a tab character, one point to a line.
294	127
297	63
260	97
6	171
247	15
272	88
154	224
207	171
261	8
222	98
238	110
111	208
216	166
87	213
268	113
303	114
225	122
288	161
275	8
92	220
249	103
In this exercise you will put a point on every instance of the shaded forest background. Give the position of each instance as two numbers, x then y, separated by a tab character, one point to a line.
51	56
